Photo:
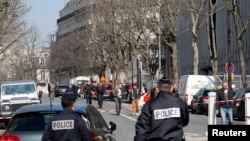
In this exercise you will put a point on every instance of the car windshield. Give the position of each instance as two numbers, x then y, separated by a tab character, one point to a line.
108	87
240	93
18	89
63	87
30	122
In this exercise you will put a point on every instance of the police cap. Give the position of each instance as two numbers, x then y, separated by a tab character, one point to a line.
69	96
165	80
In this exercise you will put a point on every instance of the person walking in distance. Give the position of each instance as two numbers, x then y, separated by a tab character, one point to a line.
100	92
224	99
49	89
118	98
135	100
88	92
175	89
52	91
154	91
152	125
67	125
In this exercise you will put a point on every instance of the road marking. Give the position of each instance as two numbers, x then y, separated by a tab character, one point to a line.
128	117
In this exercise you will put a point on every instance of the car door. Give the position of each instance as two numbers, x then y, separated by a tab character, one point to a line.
97	123
238	98
196	99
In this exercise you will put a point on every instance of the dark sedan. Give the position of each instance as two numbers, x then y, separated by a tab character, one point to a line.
60	89
29	122
239	105
199	103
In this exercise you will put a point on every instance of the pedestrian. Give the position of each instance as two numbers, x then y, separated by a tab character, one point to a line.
154	91
162	118
52	91
39	93
88	89
135	100
74	88
100	92
81	91
67	125
118	98
49	89
224	103
175	89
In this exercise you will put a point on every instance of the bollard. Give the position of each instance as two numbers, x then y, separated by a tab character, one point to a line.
211	108
247	108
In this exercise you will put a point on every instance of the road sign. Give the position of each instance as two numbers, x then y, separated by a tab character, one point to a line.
229	67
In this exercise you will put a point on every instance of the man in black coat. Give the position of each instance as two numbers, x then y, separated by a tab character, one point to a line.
162	118
224	99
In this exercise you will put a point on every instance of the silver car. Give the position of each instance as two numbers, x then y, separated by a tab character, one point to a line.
29	122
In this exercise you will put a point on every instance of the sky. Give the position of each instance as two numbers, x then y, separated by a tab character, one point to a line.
43	15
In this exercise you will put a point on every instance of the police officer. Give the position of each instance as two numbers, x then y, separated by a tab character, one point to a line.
88	92
67	125
162	118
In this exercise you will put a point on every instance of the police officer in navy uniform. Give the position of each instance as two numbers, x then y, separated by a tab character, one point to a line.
67	125
162	118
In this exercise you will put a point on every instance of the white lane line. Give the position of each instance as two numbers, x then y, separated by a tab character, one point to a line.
135	119
192	134
128	117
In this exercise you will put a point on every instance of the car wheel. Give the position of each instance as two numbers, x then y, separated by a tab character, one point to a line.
240	115
199	110
192	109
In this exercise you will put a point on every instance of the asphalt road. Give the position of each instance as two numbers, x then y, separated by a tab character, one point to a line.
126	121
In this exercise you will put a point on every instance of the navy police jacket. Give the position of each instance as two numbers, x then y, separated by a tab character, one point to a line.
67	126
162	119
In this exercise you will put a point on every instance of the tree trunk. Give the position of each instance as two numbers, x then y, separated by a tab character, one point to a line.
174	61
242	63
196	56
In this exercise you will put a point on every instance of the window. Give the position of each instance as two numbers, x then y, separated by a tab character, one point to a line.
42	61
30	122
97	118
42	75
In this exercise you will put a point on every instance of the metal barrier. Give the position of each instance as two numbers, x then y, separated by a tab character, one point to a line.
247	108
211	108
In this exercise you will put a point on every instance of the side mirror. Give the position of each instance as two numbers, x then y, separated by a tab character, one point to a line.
112	126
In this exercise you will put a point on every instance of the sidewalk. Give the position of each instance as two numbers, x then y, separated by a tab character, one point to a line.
196	137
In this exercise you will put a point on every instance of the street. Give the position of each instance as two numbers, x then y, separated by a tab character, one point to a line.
126	121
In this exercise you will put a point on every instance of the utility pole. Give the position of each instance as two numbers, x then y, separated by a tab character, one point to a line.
229	49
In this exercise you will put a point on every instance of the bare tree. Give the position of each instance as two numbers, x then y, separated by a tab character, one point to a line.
197	14
124	30
31	61
170	15
240	24
12	26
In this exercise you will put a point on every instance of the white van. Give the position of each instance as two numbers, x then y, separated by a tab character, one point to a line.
189	85
80	80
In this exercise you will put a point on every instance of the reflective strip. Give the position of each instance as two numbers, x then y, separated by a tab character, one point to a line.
63	124
167	113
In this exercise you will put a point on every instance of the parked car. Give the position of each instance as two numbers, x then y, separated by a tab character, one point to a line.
108	90
199	103
15	94
239	111
28	122
60	89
